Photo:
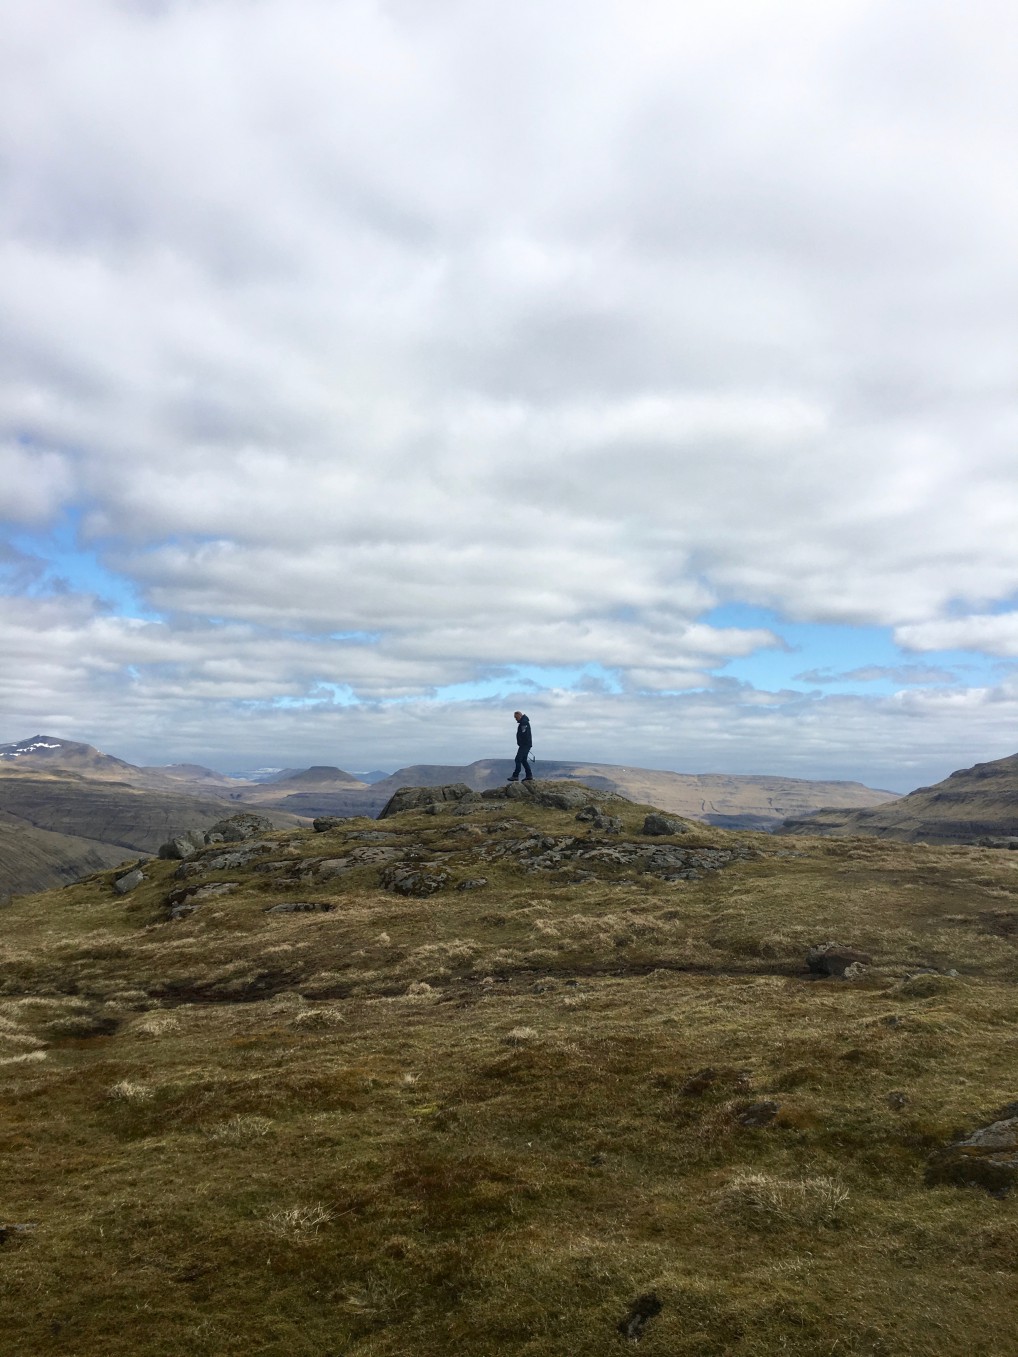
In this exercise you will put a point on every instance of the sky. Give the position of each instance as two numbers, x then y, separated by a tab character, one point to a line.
372	368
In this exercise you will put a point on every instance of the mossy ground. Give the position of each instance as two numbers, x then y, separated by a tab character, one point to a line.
479	1122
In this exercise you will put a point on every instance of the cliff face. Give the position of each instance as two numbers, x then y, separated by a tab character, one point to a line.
972	804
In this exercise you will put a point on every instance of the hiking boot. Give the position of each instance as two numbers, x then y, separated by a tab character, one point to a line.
513	779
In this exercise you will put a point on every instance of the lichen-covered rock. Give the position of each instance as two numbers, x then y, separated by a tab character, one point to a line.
183	845
662	824
987	1158
418	798
596	818
230	861
129	881
413	879
322	823
244	825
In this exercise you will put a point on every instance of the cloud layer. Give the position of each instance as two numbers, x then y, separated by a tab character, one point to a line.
374	349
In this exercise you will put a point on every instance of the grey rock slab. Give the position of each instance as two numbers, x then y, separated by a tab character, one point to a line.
129	881
212	889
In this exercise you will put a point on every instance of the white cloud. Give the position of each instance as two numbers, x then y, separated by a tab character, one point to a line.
507	335
36	482
992	634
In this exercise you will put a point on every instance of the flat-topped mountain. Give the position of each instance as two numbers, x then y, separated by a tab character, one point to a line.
320	775
972	804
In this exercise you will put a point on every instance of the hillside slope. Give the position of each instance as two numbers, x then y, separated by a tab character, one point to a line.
34	860
80	822
515	1077
971	804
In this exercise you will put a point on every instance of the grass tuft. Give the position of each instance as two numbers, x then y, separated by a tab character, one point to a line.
762	1201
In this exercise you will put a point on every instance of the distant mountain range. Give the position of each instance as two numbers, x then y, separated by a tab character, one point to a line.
972	804
66	809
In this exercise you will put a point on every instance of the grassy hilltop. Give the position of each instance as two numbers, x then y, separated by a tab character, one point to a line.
511	1082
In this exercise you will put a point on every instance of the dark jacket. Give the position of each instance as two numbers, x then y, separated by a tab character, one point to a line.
524	739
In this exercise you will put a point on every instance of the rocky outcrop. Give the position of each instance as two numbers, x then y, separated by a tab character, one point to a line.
553	795
418	798
419	879
987	1158
234	829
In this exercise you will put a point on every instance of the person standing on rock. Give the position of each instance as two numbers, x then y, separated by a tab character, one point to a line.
524	744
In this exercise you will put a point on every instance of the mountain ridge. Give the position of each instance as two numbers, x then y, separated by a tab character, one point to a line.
970	804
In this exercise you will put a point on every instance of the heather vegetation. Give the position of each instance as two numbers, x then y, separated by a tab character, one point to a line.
489	1078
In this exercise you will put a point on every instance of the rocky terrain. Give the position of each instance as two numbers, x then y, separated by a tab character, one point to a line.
87	809
972	804
518	1072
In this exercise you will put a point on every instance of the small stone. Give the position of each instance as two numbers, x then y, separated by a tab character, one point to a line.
759	1114
897	1100
641	1312
474	883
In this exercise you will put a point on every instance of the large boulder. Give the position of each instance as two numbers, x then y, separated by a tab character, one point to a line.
655	823
183	845
245	825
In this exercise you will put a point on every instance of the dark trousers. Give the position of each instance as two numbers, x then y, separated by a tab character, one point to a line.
522	766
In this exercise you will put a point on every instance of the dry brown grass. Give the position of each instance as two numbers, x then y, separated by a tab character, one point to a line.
489	1121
